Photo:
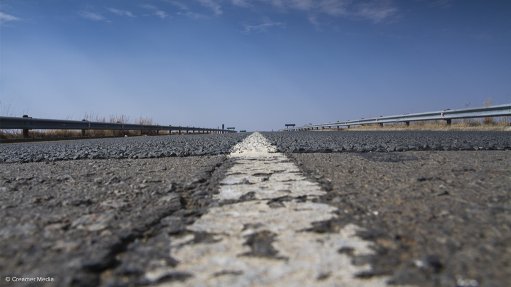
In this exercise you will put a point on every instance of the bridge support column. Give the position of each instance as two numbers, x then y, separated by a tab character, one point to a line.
407	124
448	121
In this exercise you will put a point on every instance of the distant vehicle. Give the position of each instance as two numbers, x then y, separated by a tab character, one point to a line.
243	131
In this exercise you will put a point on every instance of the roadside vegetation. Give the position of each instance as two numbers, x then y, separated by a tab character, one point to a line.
64	134
486	124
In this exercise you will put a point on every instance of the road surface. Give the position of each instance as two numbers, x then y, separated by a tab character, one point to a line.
261	209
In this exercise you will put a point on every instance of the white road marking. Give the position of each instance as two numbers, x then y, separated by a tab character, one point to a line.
302	258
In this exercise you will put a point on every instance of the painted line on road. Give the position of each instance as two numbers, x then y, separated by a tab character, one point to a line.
258	236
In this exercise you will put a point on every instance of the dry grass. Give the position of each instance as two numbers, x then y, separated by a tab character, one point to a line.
494	124
10	134
62	134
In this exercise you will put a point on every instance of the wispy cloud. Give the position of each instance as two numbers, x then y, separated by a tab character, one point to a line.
241	3
316	11
331	7
184	10
4	18
294	4
263	26
160	13
156	11
313	19
334	7
376	11
438	3
93	16
177	4
214	5
192	15
120	12
373	10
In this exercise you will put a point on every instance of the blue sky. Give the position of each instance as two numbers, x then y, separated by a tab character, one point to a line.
251	64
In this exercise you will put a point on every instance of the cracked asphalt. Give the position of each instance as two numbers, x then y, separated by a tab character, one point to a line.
71	219
436	218
435	205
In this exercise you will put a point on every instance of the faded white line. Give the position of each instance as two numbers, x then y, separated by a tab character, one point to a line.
301	258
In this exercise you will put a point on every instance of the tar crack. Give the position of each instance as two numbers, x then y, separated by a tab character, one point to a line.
260	244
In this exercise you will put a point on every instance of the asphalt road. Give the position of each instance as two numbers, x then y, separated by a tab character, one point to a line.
436	218
71	219
430	209
388	141
120	148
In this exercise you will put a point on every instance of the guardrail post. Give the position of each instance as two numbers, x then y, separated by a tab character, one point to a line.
25	131
83	130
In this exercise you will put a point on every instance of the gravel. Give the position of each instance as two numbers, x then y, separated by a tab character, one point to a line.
120	148
388	141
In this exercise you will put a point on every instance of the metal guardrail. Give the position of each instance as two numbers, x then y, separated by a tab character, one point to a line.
26	123
445	115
